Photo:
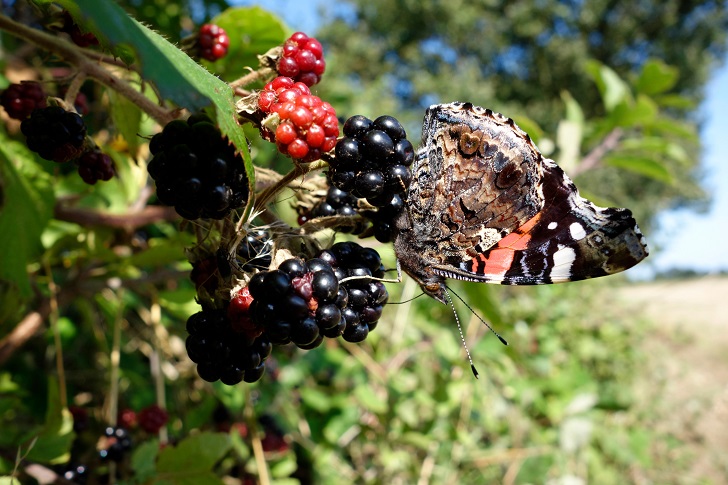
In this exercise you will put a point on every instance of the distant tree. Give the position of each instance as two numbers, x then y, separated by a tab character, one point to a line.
521	57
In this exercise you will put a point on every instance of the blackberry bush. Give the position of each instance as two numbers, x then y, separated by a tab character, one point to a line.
196	170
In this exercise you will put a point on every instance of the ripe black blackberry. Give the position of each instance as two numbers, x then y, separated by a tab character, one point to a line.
117	444
253	251
54	133
364	297
19	100
336	203
224	352
196	170
94	166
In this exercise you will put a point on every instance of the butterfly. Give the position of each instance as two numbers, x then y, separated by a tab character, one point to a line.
484	205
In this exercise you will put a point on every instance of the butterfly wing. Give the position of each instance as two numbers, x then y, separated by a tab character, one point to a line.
484	205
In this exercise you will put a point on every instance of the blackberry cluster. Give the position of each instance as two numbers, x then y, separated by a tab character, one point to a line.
94	166
383	218
19	100
365	297
152	418
118	444
372	160
223	351
196	170
303	59
299	302
308	126
54	133
213	42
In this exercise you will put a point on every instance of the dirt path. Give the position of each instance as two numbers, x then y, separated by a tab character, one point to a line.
689	350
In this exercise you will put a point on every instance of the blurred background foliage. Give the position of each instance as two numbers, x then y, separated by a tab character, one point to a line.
608	88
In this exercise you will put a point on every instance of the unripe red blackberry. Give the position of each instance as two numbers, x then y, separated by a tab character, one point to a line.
152	418
19	100
213	42
54	133
302	59
307	126
79	38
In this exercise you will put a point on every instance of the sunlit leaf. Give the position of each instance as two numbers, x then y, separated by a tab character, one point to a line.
641	165
656	77
612	88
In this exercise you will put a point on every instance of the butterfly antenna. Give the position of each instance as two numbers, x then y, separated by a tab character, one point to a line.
460	329
503	341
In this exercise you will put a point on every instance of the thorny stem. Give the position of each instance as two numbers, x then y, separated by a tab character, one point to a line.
268	193
74	88
251	77
77	57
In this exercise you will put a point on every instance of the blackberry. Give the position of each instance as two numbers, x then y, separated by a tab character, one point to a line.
212	42
223	349
54	133
302	59
307	126
74	473
372	161
252	251
196	170
117	444
152	418
78	37
19	100
94	166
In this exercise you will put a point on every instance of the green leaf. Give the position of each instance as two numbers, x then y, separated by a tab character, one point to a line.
127	118
252	31
675	101
656	145
26	207
143	460
370	400
193	458
9	481
612	88
641	165
574	113
656	77
628	114
53	444
530	127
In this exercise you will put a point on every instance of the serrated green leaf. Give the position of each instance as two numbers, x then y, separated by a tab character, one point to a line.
53	443
612	88
252	31
193	457
641	165
656	77
26	207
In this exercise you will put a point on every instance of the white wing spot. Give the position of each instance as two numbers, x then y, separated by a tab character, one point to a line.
564	257
552	225
577	231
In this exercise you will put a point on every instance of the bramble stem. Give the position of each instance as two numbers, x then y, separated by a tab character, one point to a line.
77	57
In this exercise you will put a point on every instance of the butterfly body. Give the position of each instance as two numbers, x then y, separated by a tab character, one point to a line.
484	205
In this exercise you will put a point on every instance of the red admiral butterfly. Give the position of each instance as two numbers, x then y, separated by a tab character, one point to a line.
485	205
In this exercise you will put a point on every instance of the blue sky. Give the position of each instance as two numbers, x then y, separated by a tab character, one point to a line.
684	239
